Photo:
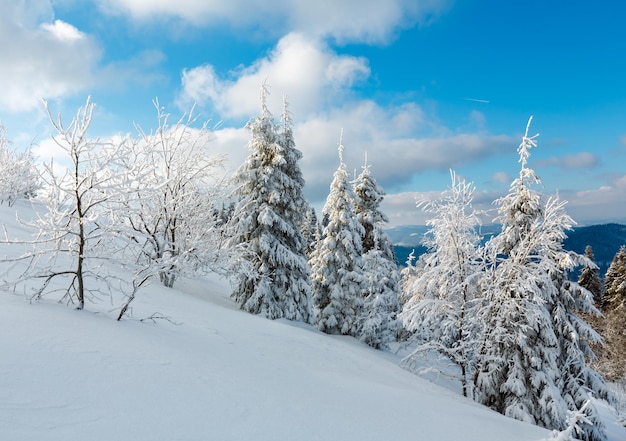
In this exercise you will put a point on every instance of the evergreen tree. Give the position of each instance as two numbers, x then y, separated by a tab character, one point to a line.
589	277
567	302
311	230
532	362
442	296
615	282
369	196
267	218
336	264
378	322
613	362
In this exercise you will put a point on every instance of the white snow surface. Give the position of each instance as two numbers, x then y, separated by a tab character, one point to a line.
217	374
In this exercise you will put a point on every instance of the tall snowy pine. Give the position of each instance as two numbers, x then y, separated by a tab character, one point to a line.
336	263
378	323
268	216
531	365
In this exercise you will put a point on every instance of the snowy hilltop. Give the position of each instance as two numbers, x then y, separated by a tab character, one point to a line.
145	297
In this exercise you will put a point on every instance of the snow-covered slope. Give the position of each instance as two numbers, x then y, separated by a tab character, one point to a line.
216	374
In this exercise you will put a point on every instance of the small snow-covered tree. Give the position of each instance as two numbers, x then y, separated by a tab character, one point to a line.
19	177
576	420
336	264
268	217
613	360
589	277
378	323
311	230
615	282
443	295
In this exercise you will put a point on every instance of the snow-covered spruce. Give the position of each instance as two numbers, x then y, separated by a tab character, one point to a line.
589	277
268	218
337	273
531	365
377	322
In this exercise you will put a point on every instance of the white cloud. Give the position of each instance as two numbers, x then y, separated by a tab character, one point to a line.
583	160
371	21
399	141
501	177
401	208
63	31
600	204
305	70
478	119
41	57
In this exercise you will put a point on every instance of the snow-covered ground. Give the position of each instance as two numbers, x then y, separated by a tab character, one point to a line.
214	373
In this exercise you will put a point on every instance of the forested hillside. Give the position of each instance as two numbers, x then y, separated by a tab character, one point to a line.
605	240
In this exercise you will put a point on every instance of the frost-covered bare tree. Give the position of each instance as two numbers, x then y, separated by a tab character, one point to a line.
172	189
378	323
268	218
531	365
336	263
441	310
19	177
67	253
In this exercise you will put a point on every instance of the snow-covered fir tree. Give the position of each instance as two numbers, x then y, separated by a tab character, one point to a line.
268	216
442	295
311	230
589	277
336	263
615	282
369	196
531	365
517	372
567	302
378	323
613	361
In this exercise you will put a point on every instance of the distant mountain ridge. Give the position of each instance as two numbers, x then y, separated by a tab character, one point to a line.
605	239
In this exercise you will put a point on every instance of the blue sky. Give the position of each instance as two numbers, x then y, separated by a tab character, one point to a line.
421	86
